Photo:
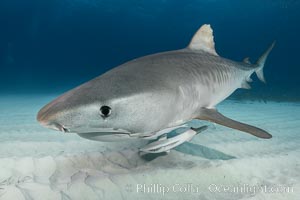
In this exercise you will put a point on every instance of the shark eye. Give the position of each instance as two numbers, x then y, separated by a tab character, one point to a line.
105	111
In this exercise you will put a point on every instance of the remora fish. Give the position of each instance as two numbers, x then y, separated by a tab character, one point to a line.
150	96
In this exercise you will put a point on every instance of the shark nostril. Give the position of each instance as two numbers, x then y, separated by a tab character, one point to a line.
60	127
56	126
64	129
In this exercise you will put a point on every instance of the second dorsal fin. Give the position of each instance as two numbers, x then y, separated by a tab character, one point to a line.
203	40
247	60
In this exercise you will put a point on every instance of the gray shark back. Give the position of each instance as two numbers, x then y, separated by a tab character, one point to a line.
158	91
186	71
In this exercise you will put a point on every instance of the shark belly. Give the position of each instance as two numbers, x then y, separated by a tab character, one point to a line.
218	84
219	94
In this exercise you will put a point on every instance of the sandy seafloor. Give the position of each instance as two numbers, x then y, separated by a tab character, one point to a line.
36	163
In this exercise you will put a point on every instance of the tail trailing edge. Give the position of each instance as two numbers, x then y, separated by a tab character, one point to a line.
261	63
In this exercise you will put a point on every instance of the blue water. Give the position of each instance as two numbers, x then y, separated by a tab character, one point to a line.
53	45
50	46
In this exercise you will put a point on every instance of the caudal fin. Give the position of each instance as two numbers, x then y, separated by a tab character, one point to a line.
261	63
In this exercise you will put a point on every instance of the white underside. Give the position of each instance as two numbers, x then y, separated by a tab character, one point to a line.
106	134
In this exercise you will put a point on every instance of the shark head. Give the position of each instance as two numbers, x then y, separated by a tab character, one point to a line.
105	110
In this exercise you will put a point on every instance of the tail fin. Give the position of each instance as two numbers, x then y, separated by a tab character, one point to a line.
261	62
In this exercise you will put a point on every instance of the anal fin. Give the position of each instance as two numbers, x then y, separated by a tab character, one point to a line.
216	117
245	85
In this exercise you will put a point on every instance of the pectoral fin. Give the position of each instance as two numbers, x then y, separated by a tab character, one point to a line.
216	117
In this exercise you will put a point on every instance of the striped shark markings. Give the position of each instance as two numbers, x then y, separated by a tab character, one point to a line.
150	96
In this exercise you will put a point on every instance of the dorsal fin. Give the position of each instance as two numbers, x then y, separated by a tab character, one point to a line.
246	60
203	40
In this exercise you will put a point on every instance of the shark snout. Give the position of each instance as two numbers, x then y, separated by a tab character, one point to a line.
47	118
52	124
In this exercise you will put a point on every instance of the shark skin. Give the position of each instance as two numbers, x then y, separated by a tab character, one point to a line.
149	96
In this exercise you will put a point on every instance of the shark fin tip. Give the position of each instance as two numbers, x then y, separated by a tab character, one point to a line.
204	40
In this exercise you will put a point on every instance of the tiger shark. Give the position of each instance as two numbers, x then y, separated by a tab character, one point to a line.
148	97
